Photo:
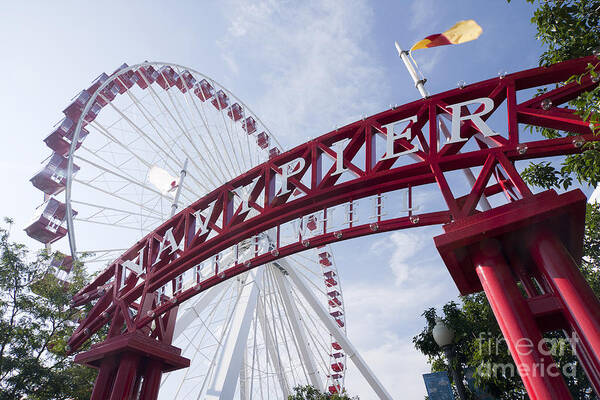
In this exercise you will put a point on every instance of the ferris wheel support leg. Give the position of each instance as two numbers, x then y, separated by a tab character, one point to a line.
273	353
227	370
295	320
337	333
244	388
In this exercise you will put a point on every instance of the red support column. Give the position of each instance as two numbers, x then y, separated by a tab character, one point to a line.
580	302
104	380
126	377
151	382
517	324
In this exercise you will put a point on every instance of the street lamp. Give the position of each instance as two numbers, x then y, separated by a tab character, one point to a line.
444	338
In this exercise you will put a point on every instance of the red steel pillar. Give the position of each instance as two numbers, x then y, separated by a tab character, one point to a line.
517	324
151	382
131	366
583	308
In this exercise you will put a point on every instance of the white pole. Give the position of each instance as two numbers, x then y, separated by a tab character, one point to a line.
181	178
419	83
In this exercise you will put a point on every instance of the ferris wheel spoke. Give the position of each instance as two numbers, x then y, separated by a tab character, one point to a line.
105	132
286	327
189	99
302	264
231	140
125	177
158	100
179	109
141	132
167	144
311	332
285	334
202	114
253	356
284	331
272	352
152	123
211	135
107	224
134	213
303	272
300	340
339	336
127	148
117	196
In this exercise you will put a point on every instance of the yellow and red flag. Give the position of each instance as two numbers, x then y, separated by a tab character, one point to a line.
461	32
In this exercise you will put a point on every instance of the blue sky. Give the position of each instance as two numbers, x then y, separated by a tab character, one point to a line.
303	67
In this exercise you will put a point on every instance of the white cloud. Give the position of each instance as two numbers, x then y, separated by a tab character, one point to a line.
312	61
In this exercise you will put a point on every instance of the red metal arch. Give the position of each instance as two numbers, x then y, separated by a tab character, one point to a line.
219	220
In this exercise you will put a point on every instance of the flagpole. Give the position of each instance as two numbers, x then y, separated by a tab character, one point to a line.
181	177
419	83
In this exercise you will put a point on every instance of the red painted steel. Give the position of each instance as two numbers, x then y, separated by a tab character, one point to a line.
517	324
563	275
212	224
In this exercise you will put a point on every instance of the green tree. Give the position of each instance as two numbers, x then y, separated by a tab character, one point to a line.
570	29
309	392
35	324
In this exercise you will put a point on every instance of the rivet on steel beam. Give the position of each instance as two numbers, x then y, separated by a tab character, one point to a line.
222	275
305	243
578	142
338	235
546	104
374	227
414	219
275	253
522	148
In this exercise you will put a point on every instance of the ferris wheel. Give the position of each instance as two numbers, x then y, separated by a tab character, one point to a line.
140	144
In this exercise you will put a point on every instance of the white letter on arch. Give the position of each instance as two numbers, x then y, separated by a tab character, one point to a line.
457	118
286	172
138	267
244	194
339	148
202	226
391	138
170	239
